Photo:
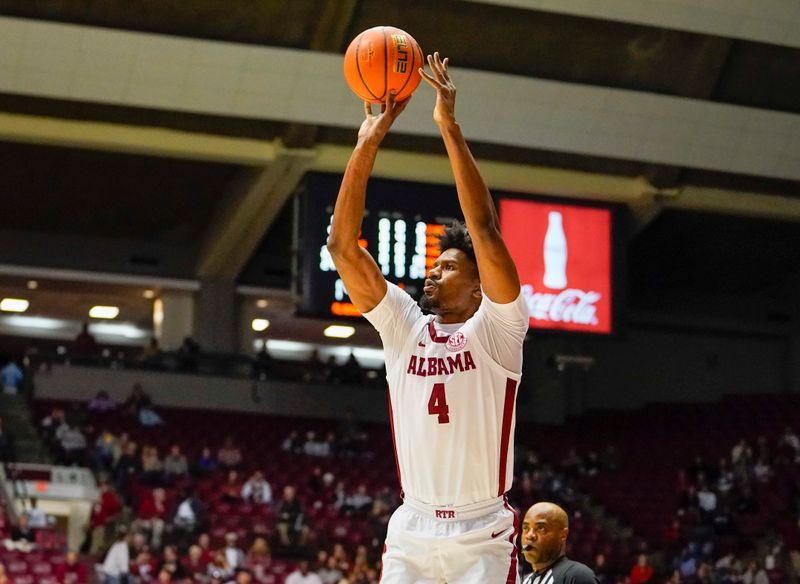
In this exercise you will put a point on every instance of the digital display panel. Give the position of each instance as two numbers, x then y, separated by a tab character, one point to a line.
399	229
563	255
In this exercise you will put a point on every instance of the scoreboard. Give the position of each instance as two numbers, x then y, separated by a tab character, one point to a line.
400	227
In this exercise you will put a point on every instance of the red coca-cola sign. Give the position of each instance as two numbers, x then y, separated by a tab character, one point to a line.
563	255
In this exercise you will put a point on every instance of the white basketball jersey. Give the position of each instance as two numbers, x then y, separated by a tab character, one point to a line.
452	396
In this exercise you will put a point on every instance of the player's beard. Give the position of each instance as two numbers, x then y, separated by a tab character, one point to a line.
429	304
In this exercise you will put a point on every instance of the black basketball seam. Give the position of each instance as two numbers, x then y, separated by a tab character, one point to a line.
358	68
385	65
411	69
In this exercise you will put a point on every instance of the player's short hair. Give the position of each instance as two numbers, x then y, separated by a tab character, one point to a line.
456	236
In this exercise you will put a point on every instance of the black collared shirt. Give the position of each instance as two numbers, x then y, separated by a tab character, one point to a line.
563	571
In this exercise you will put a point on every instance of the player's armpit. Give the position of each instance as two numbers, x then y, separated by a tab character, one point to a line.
362	277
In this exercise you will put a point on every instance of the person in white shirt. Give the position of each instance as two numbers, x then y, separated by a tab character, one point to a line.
302	575
116	566
257	490
452	374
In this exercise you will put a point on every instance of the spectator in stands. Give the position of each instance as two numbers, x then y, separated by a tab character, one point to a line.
707	501
176	467
292	443
188	353
50	424
789	442
755	574
194	563
315	447
233	553
231	490
259	559
229	456
219	567
128	467
263	364
358	502
85	345
7	445
102	455
73	444
150	355
116	565
71	571
601	569
152	468
11	377
102	403
642	572
152	515
762	471
351	372
143	566
104	512
22	531
137	400
172	565
241	576
740	452
303	575
257	490
206	463
329	572
204	543
316	371
190	515
290	520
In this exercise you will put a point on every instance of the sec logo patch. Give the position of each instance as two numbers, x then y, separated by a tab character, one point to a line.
456	342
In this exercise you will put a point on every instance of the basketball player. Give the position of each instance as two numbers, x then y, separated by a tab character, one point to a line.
544	543
452	375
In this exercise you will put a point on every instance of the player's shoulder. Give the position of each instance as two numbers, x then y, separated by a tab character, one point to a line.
576	573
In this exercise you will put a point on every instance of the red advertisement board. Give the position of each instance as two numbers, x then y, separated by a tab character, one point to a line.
563	255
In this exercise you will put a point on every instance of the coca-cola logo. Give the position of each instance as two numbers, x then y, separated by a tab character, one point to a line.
563	257
570	305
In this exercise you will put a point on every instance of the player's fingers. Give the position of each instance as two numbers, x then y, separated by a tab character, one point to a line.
383	107
435	69
368	108
430	80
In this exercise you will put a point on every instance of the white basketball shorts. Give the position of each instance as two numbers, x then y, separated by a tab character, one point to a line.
473	544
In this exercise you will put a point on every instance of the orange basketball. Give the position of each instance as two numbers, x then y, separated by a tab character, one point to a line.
382	59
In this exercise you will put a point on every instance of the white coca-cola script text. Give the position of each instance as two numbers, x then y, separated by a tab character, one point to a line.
570	305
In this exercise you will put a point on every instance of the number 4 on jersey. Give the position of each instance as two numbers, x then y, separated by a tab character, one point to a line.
437	404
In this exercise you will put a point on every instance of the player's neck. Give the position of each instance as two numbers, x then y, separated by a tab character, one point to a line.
453	317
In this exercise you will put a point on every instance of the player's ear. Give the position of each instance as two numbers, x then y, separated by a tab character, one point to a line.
476	292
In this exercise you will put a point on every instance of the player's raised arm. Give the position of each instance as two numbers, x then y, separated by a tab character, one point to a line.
498	273
359	272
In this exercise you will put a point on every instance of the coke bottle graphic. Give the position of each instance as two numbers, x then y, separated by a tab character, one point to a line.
555	253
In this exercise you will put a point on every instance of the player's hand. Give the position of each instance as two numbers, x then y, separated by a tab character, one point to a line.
376	126
439	79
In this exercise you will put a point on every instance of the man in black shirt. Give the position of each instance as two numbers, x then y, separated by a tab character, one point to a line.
544	542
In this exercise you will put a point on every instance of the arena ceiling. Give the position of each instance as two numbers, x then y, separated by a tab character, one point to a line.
166	138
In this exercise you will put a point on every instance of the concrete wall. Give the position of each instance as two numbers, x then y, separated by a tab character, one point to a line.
215	393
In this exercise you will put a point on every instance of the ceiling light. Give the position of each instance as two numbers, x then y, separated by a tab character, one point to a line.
259	324
262	303
14	305
149	294
33	284
339	332
104	312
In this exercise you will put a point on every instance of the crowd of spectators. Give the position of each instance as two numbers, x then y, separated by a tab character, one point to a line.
155	522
